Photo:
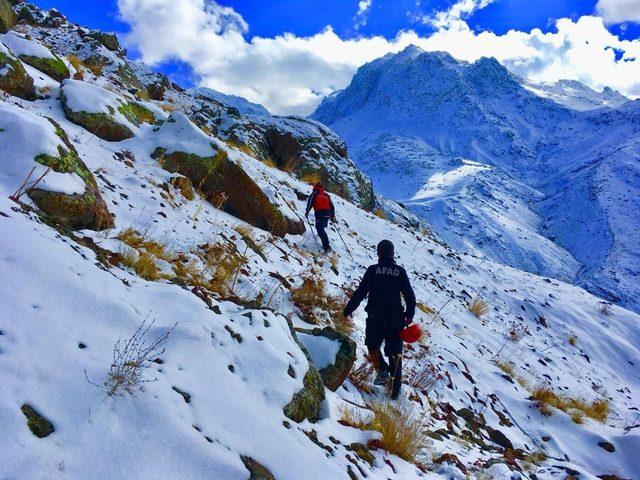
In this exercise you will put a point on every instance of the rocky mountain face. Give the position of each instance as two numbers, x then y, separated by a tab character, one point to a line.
166	313
500	167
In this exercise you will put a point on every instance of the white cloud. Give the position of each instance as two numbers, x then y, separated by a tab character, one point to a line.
290	74
618	11
363	10
453	17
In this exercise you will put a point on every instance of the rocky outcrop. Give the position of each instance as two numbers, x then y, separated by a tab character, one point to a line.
108	40
303	147
305	403
13	77
7	16
39	425
334	374
86	210
218	176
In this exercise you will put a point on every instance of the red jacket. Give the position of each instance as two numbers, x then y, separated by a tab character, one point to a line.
321	203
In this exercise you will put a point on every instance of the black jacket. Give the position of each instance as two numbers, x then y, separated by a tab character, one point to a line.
384	282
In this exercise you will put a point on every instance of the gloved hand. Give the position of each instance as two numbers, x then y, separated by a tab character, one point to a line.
333	219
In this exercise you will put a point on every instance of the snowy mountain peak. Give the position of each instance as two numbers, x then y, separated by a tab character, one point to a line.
576	95
525	193
243	105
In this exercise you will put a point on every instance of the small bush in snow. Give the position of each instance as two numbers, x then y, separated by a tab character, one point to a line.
425	379
360	377
131	359
478	307
605	308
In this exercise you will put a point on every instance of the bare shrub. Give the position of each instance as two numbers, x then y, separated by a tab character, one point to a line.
426	379
131	359
360	377
605	308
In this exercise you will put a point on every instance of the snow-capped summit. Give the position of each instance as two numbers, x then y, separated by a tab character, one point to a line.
500	166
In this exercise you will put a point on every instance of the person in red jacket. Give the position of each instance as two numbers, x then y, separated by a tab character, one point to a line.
324	211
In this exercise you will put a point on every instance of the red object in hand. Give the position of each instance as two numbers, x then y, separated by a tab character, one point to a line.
411	334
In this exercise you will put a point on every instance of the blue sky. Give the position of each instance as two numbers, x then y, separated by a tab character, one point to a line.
309	18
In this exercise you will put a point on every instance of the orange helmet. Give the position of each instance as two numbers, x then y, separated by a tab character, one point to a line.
411	334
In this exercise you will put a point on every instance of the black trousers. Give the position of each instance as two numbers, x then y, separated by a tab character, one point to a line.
322	221
385	327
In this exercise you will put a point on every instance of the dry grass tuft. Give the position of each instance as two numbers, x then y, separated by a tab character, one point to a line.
547	399
425	379
478	307
425	308
141	262
138	241
573	340
316	305
311	178
223	262
378	212
402	428
131	359
506	367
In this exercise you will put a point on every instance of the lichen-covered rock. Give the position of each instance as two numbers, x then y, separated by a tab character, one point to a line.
334	374
101	108
86	210
35	54
257	471
222	181
243	198
8	17
39	425
109	40
54	67
13	77
305	403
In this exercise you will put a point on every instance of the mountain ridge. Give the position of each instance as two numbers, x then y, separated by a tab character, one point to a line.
481	112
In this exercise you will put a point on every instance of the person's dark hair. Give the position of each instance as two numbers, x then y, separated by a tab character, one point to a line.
385	249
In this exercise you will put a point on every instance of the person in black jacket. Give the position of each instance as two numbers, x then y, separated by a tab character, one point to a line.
385	283
324	211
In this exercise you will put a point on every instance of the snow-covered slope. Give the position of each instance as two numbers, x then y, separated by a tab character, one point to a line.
499	170
576	95
217	398
244	106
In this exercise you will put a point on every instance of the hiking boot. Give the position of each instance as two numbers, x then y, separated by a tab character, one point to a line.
382	377
327	249
396	392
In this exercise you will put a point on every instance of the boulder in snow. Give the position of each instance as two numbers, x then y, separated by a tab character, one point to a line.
257	471
13	77
37	55
332	352
96	109
58	182
7	16
185	149
305	403
39	425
